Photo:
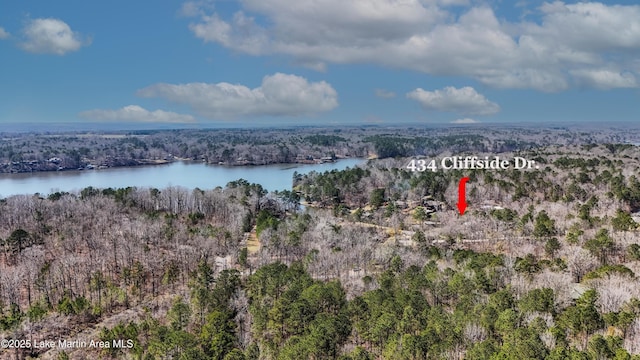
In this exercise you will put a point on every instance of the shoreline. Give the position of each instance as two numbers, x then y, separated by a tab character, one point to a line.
167	162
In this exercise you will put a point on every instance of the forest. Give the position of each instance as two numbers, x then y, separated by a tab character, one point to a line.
51	151
372	262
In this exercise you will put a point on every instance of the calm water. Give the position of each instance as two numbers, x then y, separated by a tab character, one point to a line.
184	174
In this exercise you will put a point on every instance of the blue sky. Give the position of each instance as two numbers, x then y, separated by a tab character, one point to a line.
230	63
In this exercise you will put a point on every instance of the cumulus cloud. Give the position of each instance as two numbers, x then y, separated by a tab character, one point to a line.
604	79
465	121
278	95
426	36
51	36
385	94
137	114
3	34
243	34
450	99
589	26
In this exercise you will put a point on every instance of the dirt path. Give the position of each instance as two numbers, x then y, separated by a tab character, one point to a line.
252	242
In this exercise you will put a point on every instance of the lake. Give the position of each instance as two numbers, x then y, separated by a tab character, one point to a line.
185	174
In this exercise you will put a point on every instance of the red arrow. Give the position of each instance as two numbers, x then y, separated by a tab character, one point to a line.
462	202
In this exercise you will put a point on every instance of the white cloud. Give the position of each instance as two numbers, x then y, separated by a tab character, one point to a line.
243	34
453	2
189	9
385	94
278	95
3	34
195	8
465	121
51	36
423	35
589	26
137	114
450	99
604	79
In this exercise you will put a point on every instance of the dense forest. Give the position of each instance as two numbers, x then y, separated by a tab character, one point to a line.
29	152
372	262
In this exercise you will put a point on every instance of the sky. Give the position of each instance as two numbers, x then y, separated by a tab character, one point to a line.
319	62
